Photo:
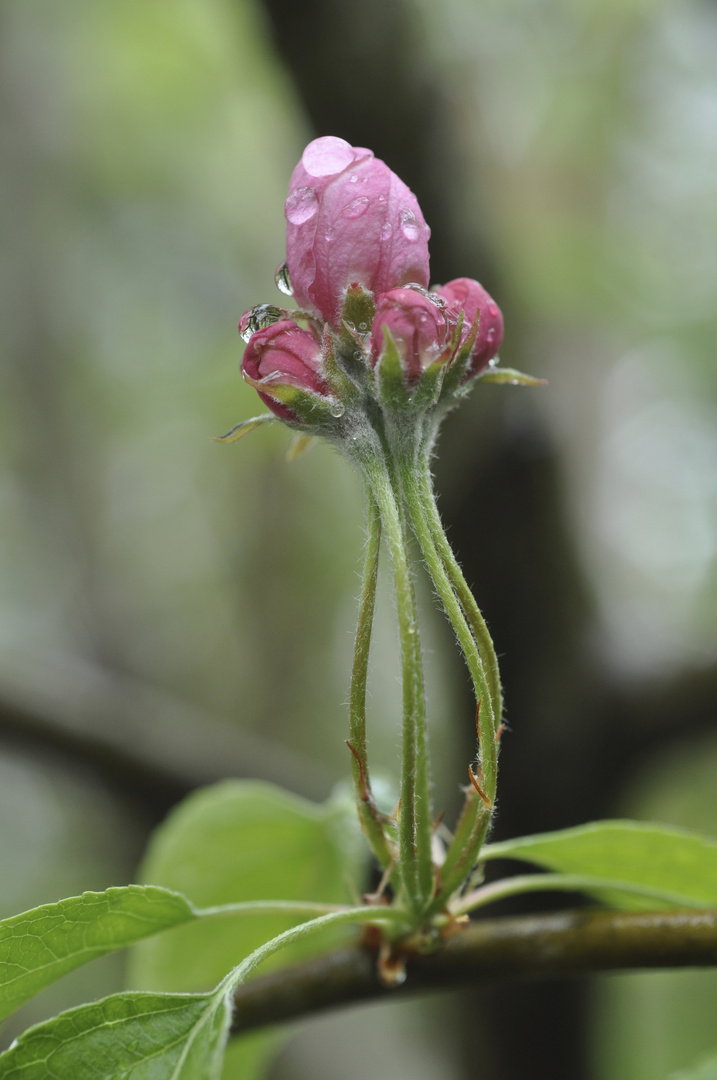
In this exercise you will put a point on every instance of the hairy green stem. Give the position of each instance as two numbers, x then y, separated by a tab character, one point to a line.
348	915
369	815
461	589
484	689
415	825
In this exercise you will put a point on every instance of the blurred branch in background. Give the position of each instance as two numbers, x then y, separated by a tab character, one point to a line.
145	743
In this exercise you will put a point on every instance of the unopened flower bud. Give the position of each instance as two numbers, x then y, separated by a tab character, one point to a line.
468	296
350	220
417	326
283	354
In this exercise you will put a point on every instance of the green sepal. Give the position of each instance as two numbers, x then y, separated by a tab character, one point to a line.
311	410
343	374
359	310
239	430
430	385
299	445
509	377
392	390
453	379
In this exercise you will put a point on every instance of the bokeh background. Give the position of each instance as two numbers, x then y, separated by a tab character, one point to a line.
173	611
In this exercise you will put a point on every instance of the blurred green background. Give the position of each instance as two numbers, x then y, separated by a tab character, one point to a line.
173	611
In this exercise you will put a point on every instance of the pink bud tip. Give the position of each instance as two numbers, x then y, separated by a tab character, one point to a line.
350	219
417	325
468	296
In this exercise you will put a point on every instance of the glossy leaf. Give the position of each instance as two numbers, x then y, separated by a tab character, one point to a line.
680	864
238	841
126	1037
39	946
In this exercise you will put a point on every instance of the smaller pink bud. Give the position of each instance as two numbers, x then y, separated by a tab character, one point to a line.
417	325
468	296
284	354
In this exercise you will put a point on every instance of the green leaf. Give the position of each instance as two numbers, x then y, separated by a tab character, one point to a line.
238	841
39	946
126	1037
680	864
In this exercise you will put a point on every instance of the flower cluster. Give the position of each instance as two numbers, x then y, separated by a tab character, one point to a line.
367	325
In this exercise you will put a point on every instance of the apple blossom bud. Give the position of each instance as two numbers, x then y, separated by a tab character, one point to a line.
468	296
417	325
350	220
283	354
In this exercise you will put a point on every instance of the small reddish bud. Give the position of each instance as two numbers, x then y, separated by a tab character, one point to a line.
284	354
417	325
468	296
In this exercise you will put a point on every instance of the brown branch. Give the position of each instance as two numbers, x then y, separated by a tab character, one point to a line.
529	947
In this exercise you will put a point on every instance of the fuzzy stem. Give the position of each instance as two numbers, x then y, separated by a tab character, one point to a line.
369	815
415	817
462	591
436	564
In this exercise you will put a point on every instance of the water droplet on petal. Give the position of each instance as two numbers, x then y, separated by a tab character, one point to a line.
409	224
327	156
353	178
356	207
329	235
490	336
301	205
493	310
258	318
337	409
282	280
386	230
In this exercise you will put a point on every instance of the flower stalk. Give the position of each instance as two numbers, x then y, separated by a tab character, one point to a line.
372	360
372	821
415	819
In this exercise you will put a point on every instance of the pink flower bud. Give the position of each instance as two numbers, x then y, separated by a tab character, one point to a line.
350	220
417	325
468	296
284	354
